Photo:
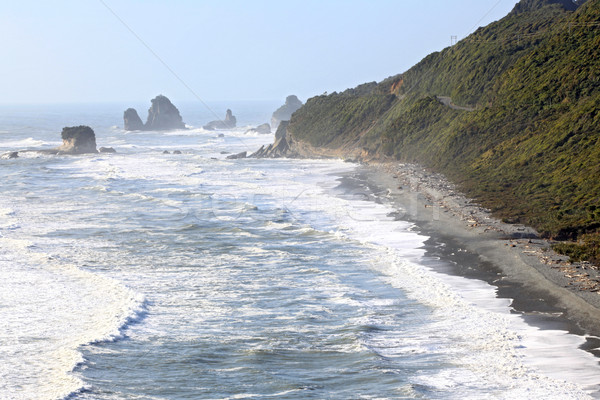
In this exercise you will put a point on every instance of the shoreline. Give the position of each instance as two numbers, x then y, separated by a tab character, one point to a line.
543	285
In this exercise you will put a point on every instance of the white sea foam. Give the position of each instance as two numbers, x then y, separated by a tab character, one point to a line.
24	143
49	308
489	346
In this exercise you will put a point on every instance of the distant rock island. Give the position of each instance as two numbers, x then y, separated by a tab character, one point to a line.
229	122
162	116
284	113
77	140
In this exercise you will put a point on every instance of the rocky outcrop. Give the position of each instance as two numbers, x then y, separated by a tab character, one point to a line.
228	123
279	148
10	155
77	140
162	116
132	121
262	129
106	150
236	156
284	113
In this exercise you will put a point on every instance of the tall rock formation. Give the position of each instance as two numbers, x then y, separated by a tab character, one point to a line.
162	116
132	121
77	140
229	122
284	113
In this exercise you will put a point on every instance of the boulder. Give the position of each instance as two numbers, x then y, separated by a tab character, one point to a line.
77	140
106	150
163	115
236	156
263	129
132	121
284	113
229	122
177	152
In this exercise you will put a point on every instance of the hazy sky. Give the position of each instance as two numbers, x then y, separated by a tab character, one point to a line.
79	51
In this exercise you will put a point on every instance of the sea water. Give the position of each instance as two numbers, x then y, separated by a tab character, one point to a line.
144	275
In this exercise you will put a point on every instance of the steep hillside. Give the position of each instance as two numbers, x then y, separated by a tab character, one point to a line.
511	114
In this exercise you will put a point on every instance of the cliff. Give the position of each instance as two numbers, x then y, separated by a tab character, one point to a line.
510	114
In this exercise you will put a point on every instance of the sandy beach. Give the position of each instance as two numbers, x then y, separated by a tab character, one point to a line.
511	257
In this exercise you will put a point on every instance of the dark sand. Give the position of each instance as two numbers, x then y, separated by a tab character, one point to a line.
549	291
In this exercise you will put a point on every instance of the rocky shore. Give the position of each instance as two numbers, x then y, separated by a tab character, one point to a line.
438	208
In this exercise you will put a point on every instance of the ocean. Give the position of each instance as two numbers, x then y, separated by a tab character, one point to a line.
144	275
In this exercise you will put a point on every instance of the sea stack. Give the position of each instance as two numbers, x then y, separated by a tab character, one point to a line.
162	116
229	122
284	113
132	121
77	140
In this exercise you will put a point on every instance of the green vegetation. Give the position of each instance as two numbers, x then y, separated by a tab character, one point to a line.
81	132
530	151
587	249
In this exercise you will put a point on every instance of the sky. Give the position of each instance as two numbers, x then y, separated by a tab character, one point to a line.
69	51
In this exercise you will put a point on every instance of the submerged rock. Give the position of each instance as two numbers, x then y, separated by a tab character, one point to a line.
263	129
284	113
132	121
238	155
229	122
77	140
11	155
106	150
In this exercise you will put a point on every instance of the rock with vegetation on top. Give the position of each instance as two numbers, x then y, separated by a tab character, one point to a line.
132	121
284	113
229	122
77	140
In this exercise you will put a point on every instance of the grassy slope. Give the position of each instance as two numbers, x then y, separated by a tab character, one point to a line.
531	149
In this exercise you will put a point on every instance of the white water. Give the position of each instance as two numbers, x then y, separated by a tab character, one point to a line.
144	275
